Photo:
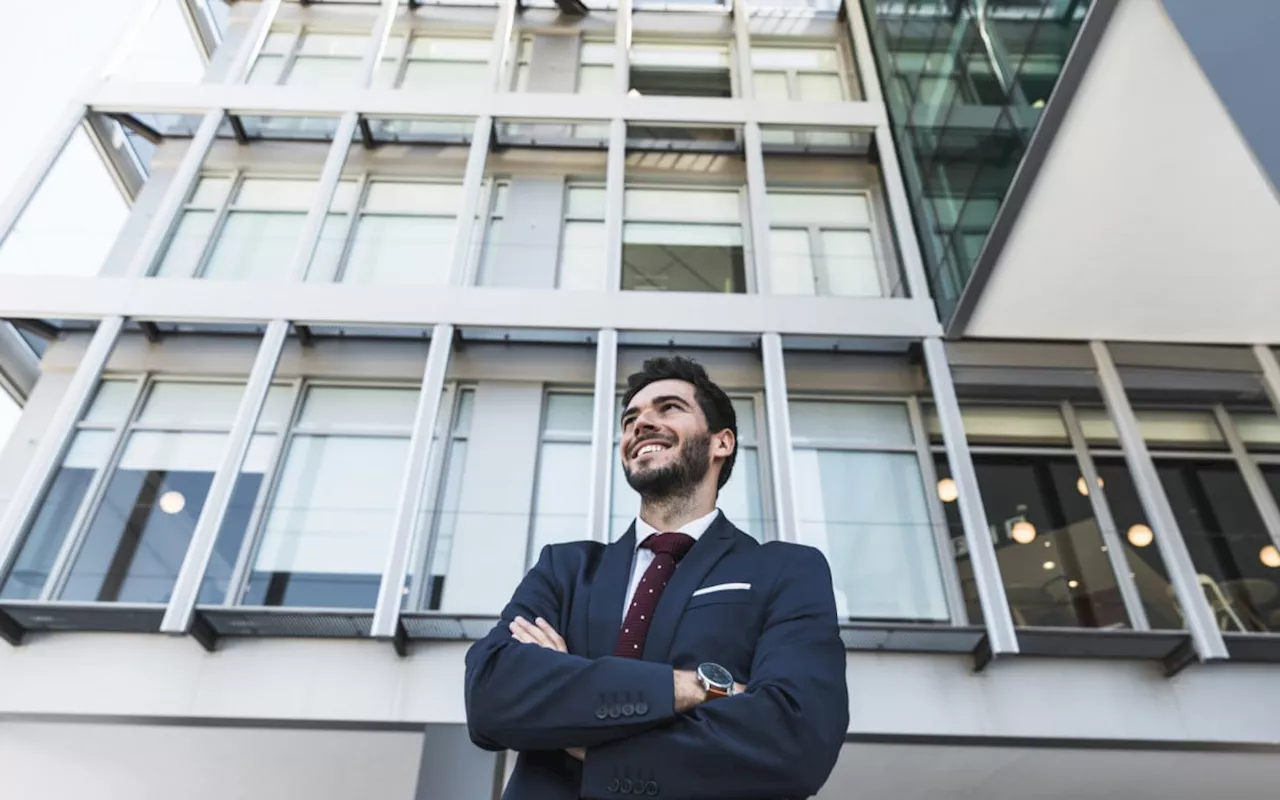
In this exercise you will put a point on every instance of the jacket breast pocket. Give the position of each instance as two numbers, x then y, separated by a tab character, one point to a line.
726	597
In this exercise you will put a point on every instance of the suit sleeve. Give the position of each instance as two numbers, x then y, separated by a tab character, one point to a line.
525	697
780	738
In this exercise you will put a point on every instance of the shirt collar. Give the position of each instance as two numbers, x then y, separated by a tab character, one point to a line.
694	528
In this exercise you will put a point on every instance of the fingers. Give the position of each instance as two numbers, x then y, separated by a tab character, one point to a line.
541	634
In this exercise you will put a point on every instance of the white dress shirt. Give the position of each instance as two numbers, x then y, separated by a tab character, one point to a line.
644	556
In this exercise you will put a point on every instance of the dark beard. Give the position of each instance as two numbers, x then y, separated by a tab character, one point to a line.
677	479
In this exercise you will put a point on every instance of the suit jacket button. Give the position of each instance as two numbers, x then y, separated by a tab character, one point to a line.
626	786
602	712
651	788
628	709
642	708
613	785
615	710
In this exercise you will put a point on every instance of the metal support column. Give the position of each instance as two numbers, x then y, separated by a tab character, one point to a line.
615	182
57	436
1116	552
386	614
186	589
1205	636
1001	637
778	424
599	492
1253	478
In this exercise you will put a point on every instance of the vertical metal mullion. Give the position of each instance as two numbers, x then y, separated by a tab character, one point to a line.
1270	373
778	435
254	39
937	516
602	424
616	159
757	207
238	579
1116	553
186	588
1253	478
768	510
428	538
900	217
472	179
24	189
621	48
386	613
1205	635
501	44
326	188
1002	639
56	439
479	239
378	37
348	232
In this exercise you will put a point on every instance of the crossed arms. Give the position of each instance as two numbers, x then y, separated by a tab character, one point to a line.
779	738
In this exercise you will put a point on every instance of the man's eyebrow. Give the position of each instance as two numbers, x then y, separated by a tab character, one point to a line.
631	411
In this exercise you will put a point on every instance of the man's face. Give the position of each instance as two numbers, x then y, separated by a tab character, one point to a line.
666	446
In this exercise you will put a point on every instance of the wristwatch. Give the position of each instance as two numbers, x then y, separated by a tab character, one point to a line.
715	679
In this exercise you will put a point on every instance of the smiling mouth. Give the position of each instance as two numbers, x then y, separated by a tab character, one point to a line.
650	448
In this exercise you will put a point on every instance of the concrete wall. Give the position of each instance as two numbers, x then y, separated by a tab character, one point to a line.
1150	219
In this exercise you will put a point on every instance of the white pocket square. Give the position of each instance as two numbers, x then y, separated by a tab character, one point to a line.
721	587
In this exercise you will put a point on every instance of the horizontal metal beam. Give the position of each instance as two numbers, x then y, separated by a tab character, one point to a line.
244	100
162	299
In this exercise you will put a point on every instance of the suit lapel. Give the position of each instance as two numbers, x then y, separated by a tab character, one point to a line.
608	593
693	568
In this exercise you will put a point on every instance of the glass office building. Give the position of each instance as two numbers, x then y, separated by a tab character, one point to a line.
302	412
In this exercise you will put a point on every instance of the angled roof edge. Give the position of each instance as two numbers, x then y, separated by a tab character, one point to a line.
1073	71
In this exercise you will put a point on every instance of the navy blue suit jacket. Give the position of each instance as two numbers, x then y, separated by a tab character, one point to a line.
776	741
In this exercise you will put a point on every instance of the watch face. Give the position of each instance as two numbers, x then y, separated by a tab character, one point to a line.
715	675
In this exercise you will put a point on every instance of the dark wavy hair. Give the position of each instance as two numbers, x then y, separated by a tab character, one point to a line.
715	404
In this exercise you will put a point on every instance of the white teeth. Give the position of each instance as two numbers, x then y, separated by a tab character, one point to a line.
650	448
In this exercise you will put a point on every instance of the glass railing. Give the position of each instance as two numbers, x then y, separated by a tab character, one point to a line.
965	82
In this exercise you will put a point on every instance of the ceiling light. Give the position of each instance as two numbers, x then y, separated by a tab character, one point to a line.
1023	532
1082	486
1073	584
947	491
1048	543
1270	556
1049	565
171	502
1140	535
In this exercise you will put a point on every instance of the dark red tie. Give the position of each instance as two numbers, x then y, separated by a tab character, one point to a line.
668	549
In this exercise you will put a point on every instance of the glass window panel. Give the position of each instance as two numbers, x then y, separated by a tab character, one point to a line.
594	79
235	524
1225	536
1259	431
358	407
560	505
808	208
400	250
278	42
820	88
394	48
745	415
255	246
327	527
329	249
1096	425
266	71
674	267
851	266
448	75
867	513
568	413
492	246
386	73
581	256
89	450
324	72
791	262
139	535
333	44
865	424
679	55
771	86
449	49
440	199
186	245
586	202
210	193
683	205
1008	425
676	234
271	194
173	403
111	402
596	53
1179	427
462	417
500	193
824	59
1048	545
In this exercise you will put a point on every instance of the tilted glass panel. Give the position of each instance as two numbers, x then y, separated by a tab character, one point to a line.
850	423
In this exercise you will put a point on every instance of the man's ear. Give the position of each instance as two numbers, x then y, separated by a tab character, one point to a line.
723	444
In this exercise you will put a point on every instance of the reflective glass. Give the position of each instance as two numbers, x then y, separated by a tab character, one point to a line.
850	423
791	262
358	407
560	504
255	246
581	251
388	250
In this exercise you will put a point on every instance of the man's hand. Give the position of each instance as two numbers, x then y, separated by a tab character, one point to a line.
538	632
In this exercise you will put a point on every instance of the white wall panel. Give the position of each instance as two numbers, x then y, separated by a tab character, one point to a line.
1149	219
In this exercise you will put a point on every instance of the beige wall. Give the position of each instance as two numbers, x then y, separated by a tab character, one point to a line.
1149	220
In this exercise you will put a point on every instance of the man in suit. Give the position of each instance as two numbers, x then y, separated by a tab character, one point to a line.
685	660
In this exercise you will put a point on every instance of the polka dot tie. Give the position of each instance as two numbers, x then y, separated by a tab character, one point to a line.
668	549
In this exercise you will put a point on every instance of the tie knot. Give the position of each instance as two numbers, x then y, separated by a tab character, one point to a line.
674	544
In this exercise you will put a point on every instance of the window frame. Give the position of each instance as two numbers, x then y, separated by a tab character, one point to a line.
819	263
546	437
845	71
297	33
408	35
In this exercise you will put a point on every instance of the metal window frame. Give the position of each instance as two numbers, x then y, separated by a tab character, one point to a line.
1206	637
428	534
545	438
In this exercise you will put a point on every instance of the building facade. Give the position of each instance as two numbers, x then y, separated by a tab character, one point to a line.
990	282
